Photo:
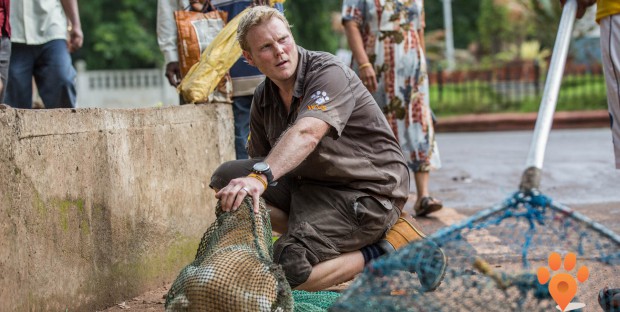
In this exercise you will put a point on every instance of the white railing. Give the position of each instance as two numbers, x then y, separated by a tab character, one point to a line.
123	88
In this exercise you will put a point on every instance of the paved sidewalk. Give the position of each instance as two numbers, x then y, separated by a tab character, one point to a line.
521	121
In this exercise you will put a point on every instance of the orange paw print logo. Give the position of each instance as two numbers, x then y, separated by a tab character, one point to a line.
563	286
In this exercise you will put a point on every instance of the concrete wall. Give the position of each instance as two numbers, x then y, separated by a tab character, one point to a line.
99	205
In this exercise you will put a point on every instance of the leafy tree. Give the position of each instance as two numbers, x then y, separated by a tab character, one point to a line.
119	34
464	20
546	17
492	26
312	24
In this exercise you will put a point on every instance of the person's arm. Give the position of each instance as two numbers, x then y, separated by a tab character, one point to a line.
421	29
422	43
167	39
296	144
582	6
76	37
354	38
292	148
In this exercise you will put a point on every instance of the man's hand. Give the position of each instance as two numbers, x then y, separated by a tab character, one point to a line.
369	78
232	195
76	39
173	73
582	5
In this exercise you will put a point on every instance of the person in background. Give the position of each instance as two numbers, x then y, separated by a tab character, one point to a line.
387	42
325	161
43	35
5	45
245	78
608	17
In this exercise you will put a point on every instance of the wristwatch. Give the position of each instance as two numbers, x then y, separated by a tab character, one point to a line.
263	168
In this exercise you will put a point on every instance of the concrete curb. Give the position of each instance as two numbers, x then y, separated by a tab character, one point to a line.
521	121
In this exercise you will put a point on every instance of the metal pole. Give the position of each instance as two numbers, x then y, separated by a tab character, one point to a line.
531	176
447	19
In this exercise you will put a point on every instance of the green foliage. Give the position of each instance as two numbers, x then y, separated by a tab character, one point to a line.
546	18
583	92
312	23
119	34
493	26
464	20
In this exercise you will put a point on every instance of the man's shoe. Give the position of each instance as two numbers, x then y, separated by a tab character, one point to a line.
432	267
432	263
401	234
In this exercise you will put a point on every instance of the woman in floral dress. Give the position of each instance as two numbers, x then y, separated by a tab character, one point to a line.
387	41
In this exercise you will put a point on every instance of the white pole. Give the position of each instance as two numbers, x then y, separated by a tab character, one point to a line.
552	86
447	19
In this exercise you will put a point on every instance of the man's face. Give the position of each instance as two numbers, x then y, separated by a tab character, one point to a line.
273	50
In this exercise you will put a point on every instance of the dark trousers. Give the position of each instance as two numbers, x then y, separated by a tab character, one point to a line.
50	65
324	221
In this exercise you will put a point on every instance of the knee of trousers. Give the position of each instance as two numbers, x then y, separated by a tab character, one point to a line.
231	170
224	173
295	260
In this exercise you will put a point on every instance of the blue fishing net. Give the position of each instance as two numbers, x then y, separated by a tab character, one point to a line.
493	260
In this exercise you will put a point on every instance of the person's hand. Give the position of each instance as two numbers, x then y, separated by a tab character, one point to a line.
582	5
232	195
197	5
173	73
369	78
76	39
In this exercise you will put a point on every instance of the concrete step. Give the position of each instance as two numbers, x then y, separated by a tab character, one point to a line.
521	121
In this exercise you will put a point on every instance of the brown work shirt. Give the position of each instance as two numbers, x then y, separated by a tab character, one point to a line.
359	152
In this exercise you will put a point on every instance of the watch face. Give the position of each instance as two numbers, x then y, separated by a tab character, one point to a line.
261	167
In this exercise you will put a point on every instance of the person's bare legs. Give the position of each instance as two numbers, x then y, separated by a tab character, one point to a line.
424	203
333	272
421	185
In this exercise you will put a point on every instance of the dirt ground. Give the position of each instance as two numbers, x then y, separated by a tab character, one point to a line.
149	301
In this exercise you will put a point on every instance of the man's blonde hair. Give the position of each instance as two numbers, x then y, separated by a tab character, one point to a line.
256	16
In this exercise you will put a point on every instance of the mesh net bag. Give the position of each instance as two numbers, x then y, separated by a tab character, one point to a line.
493	261
234	268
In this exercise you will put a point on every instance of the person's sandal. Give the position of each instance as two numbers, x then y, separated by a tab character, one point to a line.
428	204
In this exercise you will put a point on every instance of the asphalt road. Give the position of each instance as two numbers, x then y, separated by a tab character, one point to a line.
481	169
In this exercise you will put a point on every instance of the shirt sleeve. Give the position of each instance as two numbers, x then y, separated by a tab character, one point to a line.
329	97
167	30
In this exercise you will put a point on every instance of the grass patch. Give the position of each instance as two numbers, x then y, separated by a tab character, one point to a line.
584	92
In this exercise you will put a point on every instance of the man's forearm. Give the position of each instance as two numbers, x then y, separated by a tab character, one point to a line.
295	145
354	38
71	11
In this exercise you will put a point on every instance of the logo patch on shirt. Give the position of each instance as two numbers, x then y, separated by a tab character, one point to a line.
320	98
